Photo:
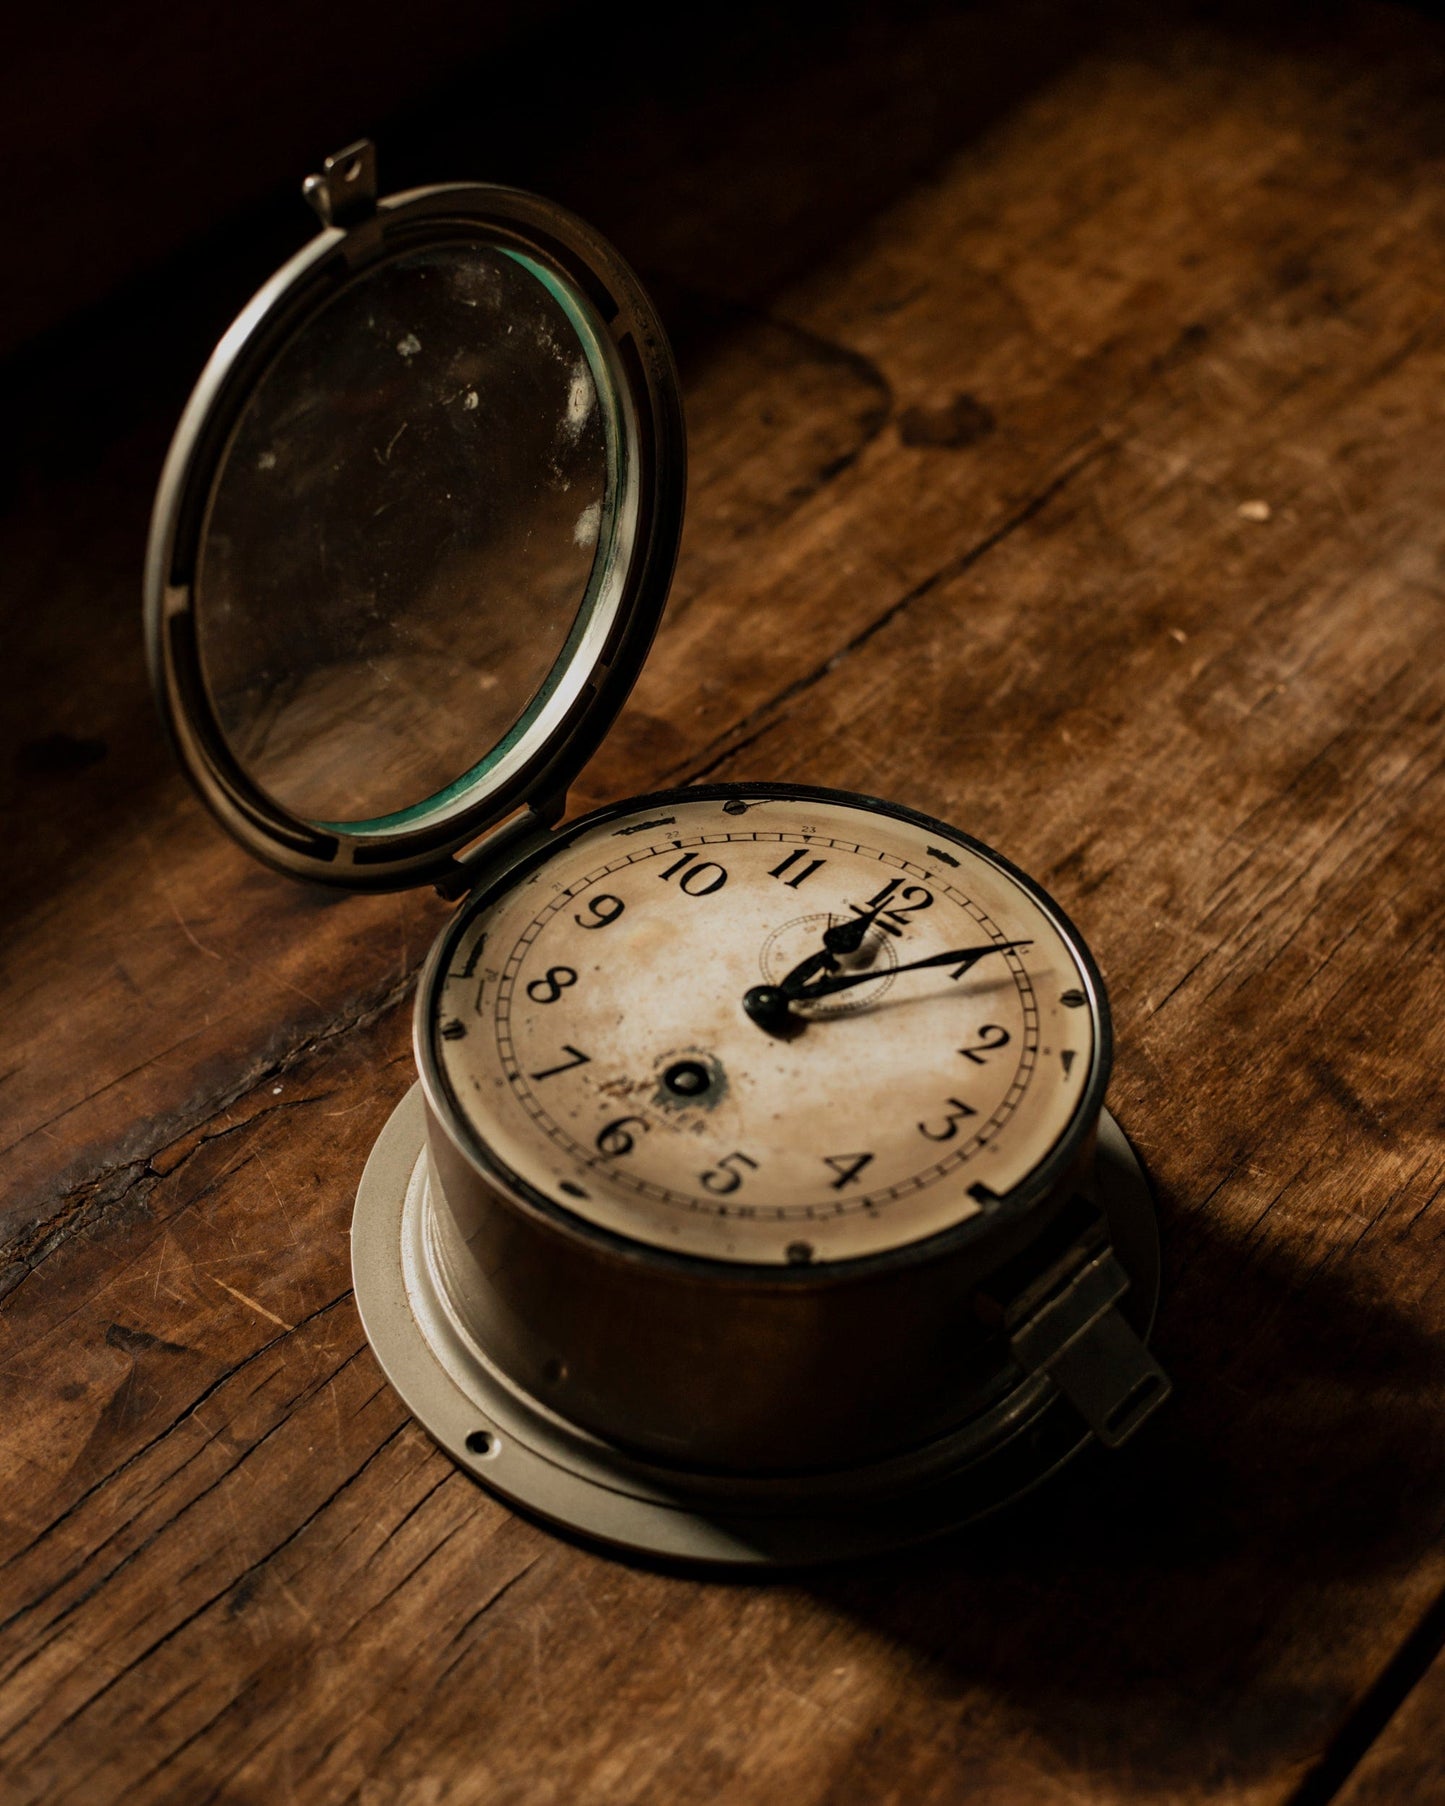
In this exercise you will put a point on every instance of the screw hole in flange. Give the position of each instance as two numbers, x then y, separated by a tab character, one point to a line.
482	1442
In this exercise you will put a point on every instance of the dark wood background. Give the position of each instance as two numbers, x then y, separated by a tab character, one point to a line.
1066	390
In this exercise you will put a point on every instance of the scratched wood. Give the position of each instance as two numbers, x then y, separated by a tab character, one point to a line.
1084	489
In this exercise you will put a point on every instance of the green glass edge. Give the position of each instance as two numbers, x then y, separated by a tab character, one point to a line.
439	801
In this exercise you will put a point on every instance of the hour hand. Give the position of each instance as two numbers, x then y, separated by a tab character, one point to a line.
847	937
767	1005
839	939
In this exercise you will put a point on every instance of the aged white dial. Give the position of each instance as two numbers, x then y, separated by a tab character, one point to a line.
780	1029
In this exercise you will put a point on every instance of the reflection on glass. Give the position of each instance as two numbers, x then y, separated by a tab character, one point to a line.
402	533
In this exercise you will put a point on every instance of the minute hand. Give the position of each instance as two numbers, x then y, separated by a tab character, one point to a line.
962	957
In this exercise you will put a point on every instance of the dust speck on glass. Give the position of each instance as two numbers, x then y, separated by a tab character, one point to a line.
406	534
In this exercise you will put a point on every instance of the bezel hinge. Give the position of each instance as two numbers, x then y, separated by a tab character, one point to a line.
535	822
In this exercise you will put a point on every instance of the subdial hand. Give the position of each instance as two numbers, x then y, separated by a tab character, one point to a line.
771	1006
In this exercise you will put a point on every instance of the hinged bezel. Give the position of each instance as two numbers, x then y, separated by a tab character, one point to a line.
606	661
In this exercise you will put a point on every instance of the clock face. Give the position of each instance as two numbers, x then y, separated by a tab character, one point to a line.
780	1028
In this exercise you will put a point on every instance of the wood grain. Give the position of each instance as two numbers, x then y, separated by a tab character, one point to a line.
1406	1761
1085	492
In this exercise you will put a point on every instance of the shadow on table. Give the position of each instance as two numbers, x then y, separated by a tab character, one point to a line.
1192	1609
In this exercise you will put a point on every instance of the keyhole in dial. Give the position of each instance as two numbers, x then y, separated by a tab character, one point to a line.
687	1078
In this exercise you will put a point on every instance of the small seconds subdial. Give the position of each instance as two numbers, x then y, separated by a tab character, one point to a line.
776	1030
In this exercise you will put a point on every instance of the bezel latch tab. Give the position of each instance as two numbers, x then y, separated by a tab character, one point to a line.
344	194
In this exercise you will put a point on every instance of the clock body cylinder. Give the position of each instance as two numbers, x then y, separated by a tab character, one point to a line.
709	1366
624	1255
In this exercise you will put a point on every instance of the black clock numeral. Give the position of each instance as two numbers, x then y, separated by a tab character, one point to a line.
991	1036
548	989
615	1138
894	919
724	1177
847	1167
955	1114
605	908
452	1030
1073	1000
697	880
578	1059
786	865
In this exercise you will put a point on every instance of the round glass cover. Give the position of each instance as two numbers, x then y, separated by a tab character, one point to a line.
408	533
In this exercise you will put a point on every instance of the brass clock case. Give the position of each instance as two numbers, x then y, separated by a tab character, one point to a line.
726	1364
521	1448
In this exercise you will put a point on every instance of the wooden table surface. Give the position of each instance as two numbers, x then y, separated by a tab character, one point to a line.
1066	391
